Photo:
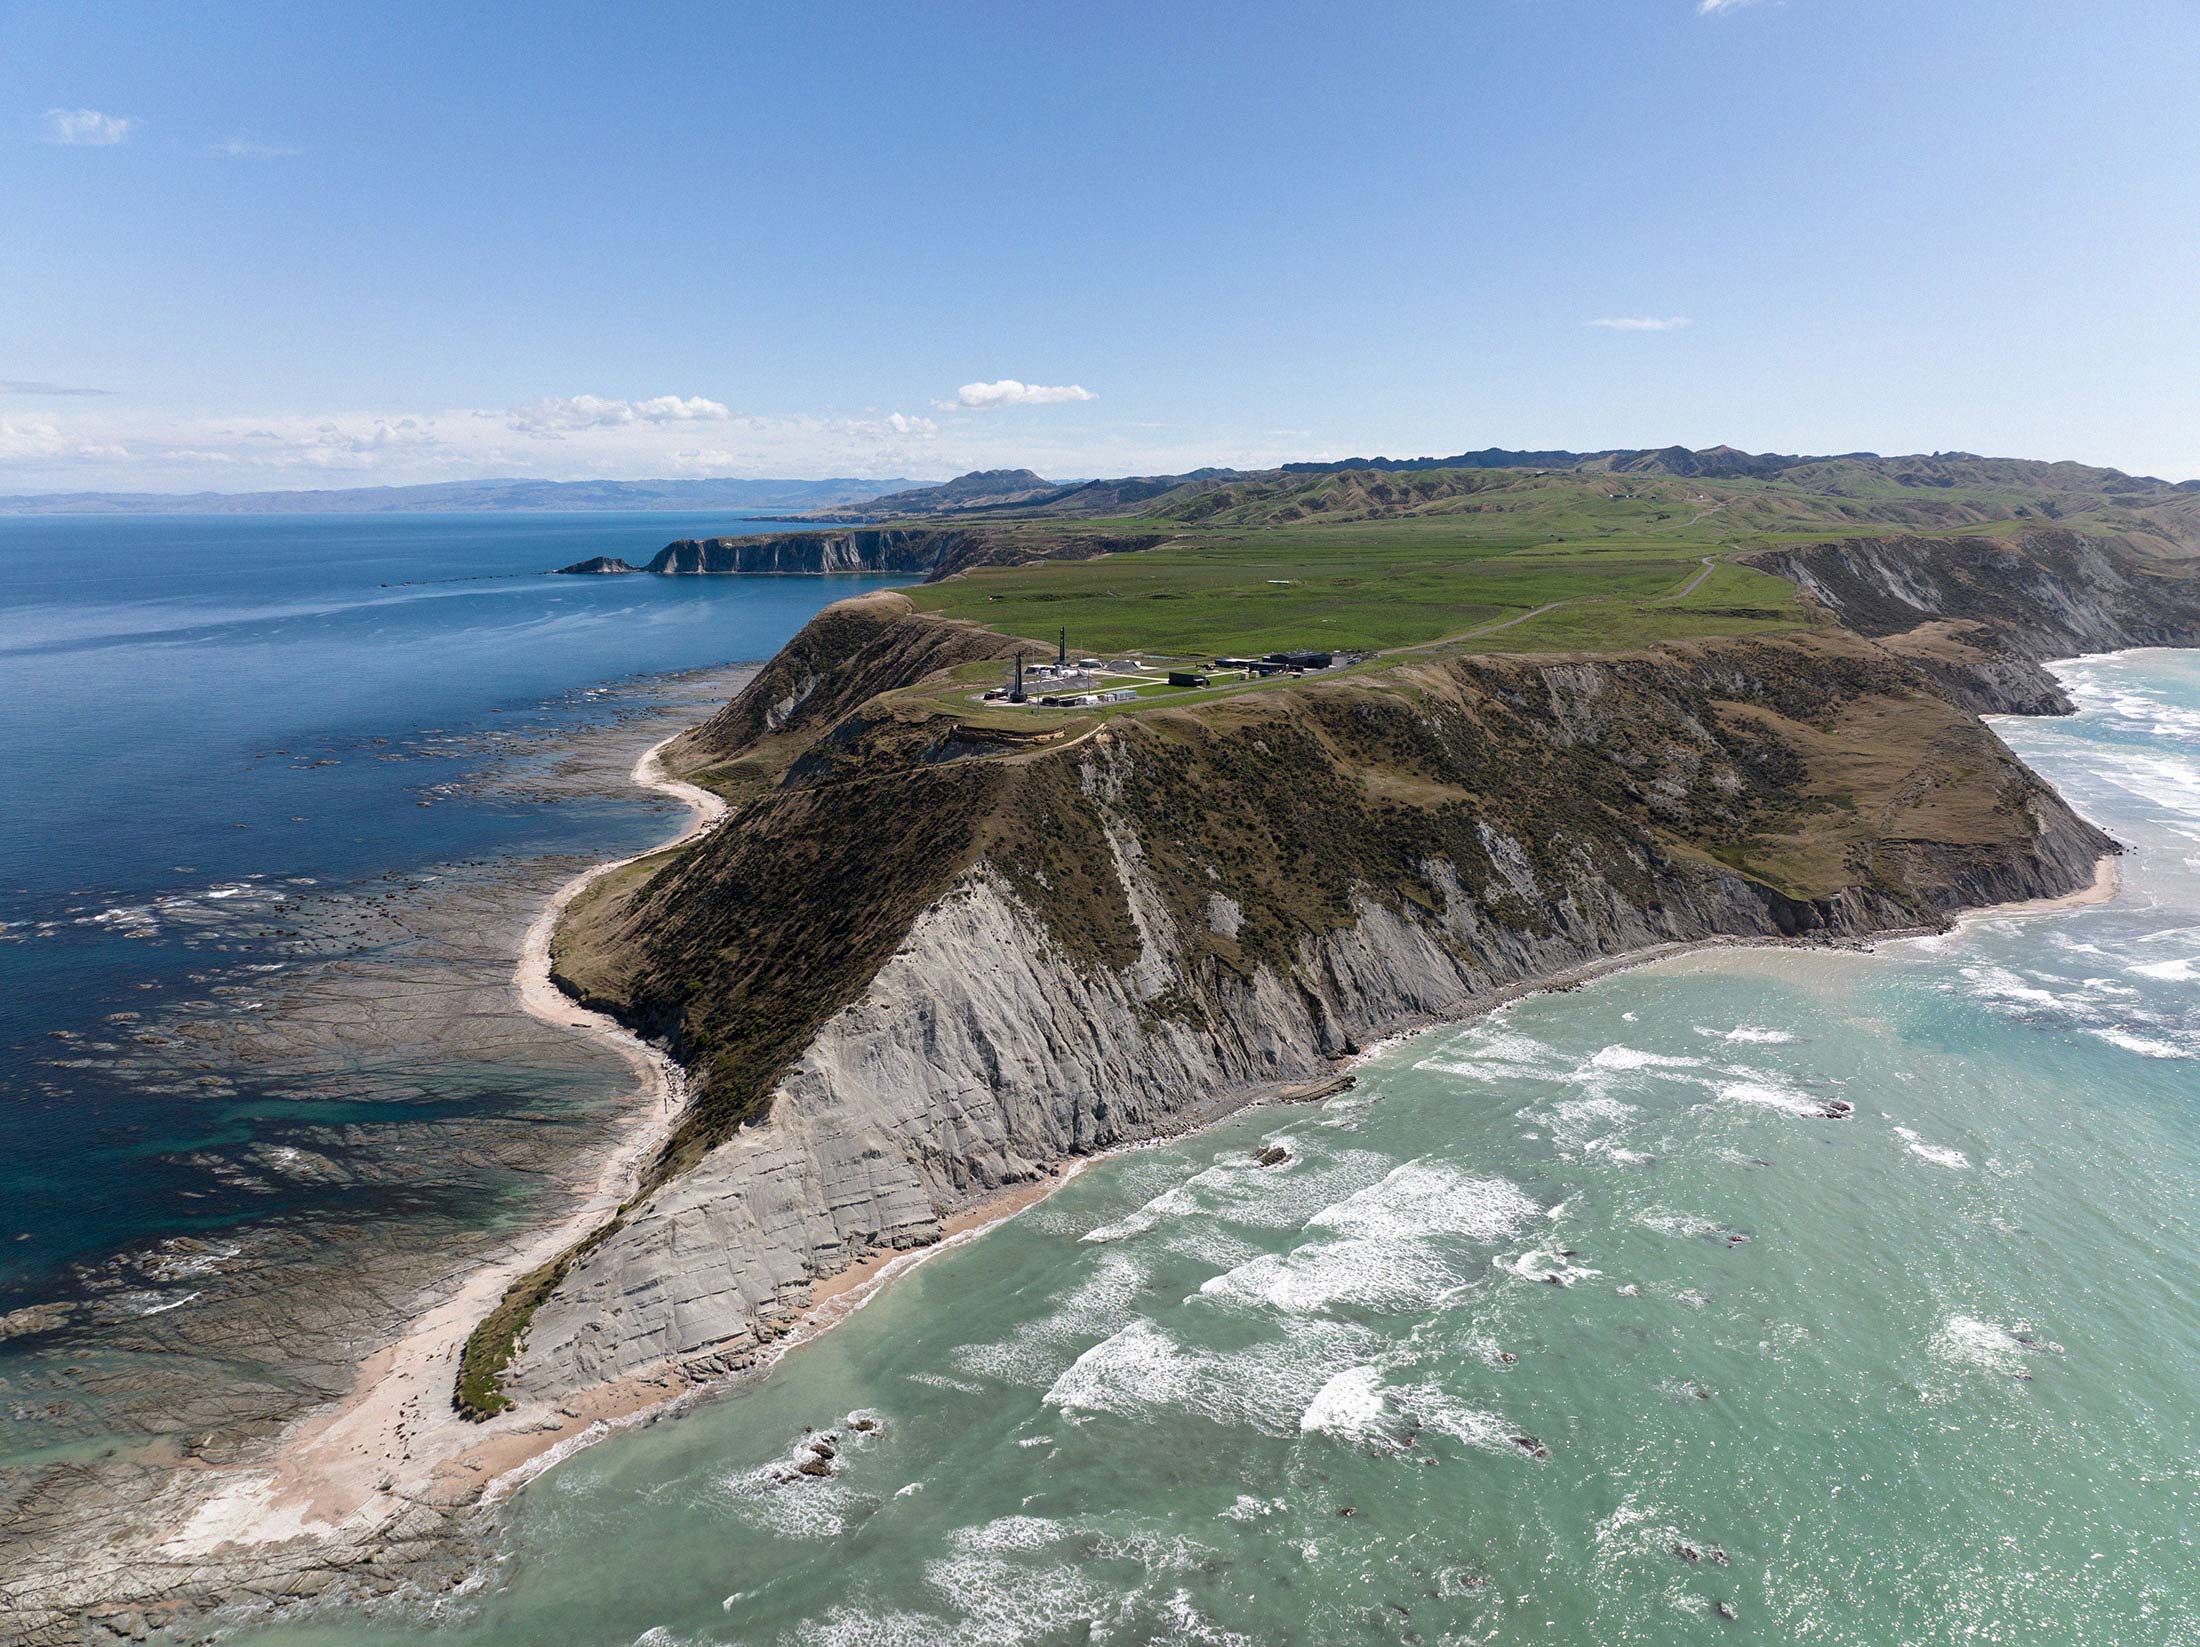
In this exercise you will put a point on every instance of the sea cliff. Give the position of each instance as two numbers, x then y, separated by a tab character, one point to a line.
932	551
919	967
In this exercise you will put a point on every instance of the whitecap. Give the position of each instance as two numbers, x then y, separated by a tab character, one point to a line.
1633	1058
1424	1198
1578	1123
1169	1204
1545	1265
1355	1406
1188	1623
1038	1349
1687	1225
1767	1095
1994	983
1435	1410
1493	1055
1350	1404
1972	1343
1748	1034
159	1305
2176	972
1935	1153
1238	1190
2144	1045
1619	1154
1367	1274
1382	1247
942	1381
1266	1386
2167	781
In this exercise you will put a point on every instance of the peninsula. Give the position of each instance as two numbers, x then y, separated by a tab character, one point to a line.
1162	796
1325	753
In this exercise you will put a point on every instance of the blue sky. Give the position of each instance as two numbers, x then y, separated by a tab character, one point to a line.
306	244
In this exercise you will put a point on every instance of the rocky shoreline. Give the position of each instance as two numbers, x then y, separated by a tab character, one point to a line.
1026	1001
385	987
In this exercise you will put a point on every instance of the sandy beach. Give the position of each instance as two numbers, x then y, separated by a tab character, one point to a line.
396	1441
2108	880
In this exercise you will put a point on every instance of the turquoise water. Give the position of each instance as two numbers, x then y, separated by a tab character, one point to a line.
1925	1374
215	733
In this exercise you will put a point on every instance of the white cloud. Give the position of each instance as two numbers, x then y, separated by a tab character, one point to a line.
558	414
562	438
244	148
1712	8
33	386
86	128
983	397
1644	323
673	409
42	440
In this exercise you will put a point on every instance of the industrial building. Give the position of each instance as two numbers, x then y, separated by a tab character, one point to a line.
1092	681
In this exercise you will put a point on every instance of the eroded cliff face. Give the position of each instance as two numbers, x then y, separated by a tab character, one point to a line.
2046	593
931	551
902	987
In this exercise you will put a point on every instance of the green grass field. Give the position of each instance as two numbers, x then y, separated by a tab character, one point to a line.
1372	586
1492	560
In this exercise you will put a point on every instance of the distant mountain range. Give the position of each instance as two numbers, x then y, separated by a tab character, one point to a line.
1024	493
1426	483
472	497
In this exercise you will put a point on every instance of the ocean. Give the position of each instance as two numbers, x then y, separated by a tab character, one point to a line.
279	792
1594	1320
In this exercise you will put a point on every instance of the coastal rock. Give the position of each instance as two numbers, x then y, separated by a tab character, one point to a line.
36	1318
598	565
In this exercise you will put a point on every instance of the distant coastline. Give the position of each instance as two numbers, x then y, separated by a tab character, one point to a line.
513	496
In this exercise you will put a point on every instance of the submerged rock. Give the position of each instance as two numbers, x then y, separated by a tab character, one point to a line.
35	1318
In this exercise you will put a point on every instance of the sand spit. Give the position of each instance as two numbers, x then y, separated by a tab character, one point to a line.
396	1441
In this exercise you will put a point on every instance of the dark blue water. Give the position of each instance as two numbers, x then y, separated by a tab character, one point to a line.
208	727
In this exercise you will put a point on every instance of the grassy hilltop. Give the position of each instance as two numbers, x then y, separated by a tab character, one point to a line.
1371	560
